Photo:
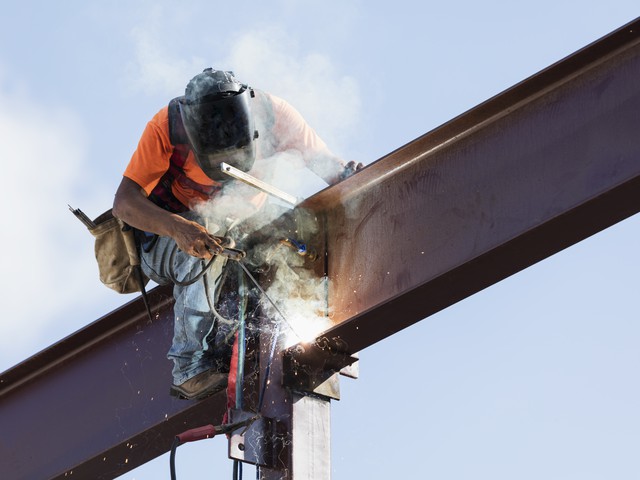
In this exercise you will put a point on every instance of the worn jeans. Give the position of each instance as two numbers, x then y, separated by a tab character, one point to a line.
202	337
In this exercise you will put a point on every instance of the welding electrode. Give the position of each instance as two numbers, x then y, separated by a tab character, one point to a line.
230	253
233	253
80	215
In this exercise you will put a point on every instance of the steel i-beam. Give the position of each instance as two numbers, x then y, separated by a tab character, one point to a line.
535	169
524	175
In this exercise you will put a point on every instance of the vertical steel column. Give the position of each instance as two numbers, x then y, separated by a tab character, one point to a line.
301	438
311	437
277	405
293	441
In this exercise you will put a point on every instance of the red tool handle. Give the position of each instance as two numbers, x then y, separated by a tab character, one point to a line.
207	431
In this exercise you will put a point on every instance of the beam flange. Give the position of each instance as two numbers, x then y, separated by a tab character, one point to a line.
528	173
97	404
520	177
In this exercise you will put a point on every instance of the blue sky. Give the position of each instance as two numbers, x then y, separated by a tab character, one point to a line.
535	377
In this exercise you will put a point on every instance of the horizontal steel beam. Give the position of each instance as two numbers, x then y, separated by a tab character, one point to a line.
529	172
97	403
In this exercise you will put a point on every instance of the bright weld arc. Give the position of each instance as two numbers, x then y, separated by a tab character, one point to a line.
274	339
270	301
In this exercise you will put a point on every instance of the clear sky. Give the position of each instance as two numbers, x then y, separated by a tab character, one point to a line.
536	377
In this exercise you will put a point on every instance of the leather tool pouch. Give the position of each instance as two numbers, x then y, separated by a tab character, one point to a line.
117	255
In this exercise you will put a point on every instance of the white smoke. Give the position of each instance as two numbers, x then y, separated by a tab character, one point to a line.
300	296
267	58
271	60
242	212
159	68
42	270
329	100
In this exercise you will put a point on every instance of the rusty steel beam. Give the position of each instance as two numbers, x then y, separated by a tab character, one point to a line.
528	173
520	177
97	404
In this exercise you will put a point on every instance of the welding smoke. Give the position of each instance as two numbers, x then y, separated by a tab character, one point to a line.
241	211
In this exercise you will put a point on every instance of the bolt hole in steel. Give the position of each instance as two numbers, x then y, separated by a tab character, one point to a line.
241	447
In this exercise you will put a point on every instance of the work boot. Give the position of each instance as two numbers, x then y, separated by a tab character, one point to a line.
201	386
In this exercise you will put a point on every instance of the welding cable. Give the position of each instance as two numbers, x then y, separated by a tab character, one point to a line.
195	434
191	281
237	470
273	304
212	307
172	277
242	317
274	338
227	252
172	457
201	433
236	467
203	274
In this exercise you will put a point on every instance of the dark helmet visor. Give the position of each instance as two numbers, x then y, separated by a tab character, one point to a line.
221	129
242	158
218	124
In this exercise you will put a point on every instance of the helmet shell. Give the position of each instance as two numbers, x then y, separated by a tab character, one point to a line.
217	116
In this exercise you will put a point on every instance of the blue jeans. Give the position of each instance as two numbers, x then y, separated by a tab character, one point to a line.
202	336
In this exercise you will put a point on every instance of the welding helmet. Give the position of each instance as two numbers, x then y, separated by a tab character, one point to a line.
217	118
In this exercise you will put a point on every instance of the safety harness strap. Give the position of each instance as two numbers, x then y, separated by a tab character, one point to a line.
162	195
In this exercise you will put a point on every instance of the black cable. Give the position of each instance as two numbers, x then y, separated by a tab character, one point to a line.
242	307
274	338
243	295
193	280
237	467
170	273
237	470
143	291
212	308
200	433
172	458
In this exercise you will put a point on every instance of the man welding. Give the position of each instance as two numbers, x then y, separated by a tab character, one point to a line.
175	169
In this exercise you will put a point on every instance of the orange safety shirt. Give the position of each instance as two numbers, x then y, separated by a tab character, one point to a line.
152	157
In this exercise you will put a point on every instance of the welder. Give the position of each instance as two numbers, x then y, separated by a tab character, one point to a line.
176	168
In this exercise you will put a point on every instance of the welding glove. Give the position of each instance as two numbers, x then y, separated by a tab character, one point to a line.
351	168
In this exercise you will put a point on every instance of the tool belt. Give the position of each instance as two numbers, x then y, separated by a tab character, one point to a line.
117	254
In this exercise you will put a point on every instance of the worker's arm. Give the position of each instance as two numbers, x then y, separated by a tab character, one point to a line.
132	206
293	132
329	167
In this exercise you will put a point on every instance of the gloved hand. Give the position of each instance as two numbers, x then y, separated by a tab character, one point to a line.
194	239
351	168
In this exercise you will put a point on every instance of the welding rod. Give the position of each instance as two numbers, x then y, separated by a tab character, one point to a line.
82	217
257	183
232	253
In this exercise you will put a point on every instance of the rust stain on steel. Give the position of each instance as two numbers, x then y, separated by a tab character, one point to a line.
523	175
97	404
538	168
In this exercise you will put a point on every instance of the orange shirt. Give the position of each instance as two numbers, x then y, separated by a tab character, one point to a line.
151	159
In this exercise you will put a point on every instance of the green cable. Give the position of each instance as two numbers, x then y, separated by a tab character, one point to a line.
242	315
242	312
